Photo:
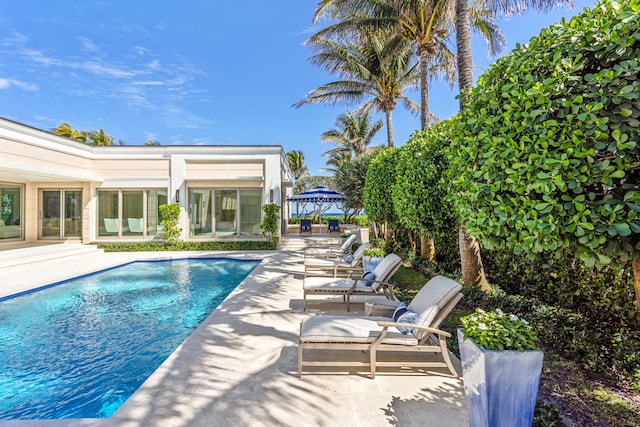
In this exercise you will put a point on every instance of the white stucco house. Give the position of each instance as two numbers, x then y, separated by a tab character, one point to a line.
55	188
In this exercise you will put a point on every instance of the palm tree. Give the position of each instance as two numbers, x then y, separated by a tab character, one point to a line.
352	136
466	16
296	164
472	268
424	22
99	137
65	129
378	69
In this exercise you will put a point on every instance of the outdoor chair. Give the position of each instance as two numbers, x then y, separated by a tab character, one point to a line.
334	227
412	329
345	265
370	284
136	225
305	227
328	252
111	225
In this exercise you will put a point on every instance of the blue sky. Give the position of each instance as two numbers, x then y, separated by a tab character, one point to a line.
193	73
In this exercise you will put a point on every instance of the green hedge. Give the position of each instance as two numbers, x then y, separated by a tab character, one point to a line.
186	246
545	152
360	221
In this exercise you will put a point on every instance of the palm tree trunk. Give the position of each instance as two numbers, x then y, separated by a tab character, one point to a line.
427	248
463	43
472	268
424	90
636	280
389	128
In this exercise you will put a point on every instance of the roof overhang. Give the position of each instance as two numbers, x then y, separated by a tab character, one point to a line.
14	173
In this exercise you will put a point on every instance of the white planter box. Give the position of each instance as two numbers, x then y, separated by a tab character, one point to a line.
500	386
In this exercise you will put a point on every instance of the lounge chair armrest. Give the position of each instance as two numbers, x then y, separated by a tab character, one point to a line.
383	285
415	327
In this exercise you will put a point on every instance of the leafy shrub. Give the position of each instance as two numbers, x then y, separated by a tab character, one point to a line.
248	245
496	330
269	224
377	194
170	216
545	152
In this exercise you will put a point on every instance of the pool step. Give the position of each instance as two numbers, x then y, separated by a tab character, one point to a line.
27	254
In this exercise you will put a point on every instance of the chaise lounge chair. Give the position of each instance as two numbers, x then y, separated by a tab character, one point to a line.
370	284
327	252
345	265
412	329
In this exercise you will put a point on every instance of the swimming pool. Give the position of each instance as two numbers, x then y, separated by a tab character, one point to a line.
79	349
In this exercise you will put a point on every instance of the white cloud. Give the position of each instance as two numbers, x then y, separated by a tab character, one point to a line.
8	83
88	44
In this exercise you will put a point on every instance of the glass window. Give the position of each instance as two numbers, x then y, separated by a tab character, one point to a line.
108	213
199	212
250	211
10	211
226	212
154	219
72	213
132	213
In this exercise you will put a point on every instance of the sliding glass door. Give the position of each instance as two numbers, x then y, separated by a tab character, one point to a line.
11	223
218	212
61	214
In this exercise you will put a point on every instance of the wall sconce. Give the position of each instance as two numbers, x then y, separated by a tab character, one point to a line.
177	196
270	196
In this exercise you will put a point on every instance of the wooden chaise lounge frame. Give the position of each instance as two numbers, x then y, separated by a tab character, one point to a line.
331	251
342	266
360	286
442	295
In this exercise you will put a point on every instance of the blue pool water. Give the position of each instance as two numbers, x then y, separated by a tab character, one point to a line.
81	348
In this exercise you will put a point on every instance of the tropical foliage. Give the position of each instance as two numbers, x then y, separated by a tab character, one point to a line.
170	214
378	188
93	137
545	150
424	23
376	70
350	180
352	136
269	224
296	163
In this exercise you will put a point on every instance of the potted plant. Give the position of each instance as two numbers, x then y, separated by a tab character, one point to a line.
371	257
501	366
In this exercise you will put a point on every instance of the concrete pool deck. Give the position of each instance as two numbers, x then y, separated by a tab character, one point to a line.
239	367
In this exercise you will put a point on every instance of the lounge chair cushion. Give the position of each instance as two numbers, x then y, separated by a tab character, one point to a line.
402	314
432	297
349	329
333	284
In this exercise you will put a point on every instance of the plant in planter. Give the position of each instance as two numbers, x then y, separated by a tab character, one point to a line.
371	257
501	367
269	224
